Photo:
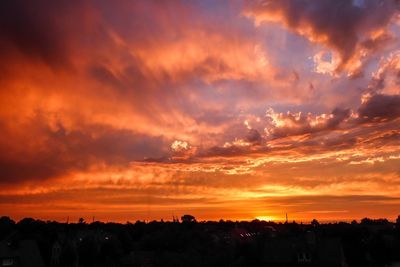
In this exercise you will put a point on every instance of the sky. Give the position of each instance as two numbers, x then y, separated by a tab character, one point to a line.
145	110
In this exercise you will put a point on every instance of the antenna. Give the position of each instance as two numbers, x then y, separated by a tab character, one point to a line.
67	219
286	218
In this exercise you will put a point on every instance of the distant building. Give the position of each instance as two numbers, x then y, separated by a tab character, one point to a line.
305	250
24	253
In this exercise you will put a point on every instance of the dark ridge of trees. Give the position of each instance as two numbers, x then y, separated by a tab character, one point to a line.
370	242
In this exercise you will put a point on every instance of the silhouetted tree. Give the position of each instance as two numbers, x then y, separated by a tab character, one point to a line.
6	226
314	223
188	218
366	221
380	221
195	244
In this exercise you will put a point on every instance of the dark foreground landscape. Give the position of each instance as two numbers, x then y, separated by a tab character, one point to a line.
186	242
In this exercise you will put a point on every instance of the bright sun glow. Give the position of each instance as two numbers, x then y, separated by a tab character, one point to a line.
266	218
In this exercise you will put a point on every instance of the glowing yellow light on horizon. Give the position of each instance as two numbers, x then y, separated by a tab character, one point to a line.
266	218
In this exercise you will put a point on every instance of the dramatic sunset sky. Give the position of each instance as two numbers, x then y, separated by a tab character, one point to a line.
141	110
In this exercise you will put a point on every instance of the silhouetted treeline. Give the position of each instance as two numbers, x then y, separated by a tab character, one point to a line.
191	243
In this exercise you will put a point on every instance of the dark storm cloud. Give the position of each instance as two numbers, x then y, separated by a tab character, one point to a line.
341	24
41	29
58	151
253	136
217	151
380	107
